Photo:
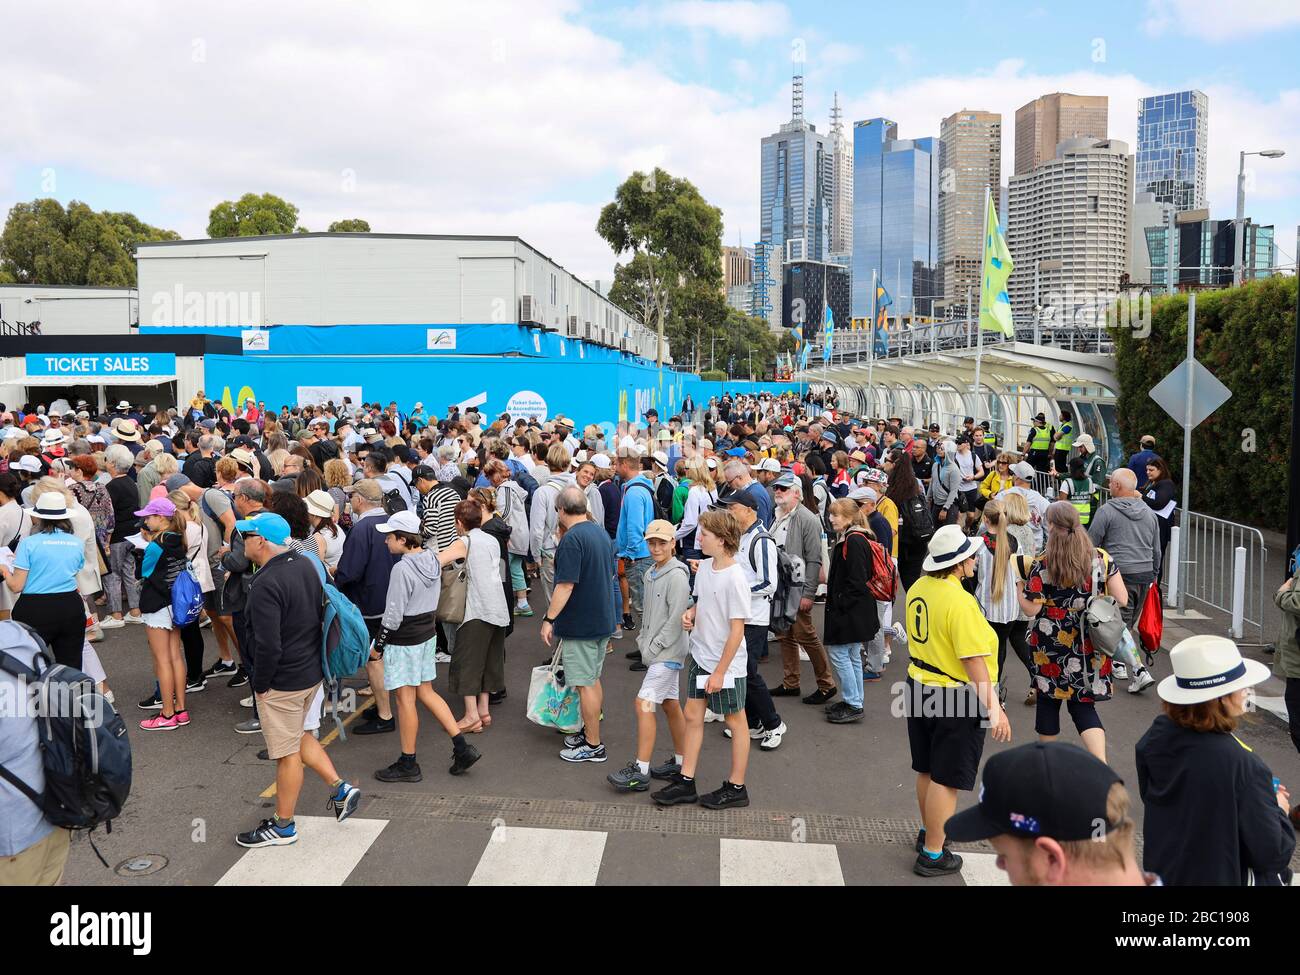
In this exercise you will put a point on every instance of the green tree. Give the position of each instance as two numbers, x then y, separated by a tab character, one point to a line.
42	243
665	220
252	215
353	226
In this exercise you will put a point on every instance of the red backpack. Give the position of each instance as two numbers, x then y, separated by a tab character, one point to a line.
883	584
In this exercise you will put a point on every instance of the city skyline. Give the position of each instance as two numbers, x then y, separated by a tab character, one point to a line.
688	86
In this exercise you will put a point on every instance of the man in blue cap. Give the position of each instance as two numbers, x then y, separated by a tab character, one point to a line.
285	620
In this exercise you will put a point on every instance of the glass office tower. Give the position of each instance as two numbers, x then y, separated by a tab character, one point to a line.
1171	151
895	218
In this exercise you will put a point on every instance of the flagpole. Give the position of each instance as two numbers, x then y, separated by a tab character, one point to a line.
826	353
871	343
979	325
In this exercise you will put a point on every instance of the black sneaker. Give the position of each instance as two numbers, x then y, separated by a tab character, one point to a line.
240	679
920	840
151	703
629	779
462	760
400	772
783	691
194	686
728	797
844	714
375	726
819	696
496	697
264	755
222	668
637	666
370	713
629	624
633	655
676	792
668	771
948	863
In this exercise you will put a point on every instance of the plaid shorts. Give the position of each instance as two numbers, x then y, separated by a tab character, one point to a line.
729	700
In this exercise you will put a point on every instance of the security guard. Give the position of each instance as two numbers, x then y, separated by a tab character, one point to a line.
1038	448
1080	491
1064	442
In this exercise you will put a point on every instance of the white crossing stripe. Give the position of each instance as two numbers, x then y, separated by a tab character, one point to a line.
771	863
981	870
520	856
326	852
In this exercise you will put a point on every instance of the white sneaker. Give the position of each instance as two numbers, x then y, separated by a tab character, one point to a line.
772	739
133	619
710	716
1119	671
442	658
803	654
900	632
111	623
617	634
246	702
1141	681
755	734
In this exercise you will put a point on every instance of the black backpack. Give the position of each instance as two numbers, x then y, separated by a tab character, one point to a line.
84	747
917	524
654	499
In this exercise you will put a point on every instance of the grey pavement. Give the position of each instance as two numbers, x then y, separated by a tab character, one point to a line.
835	804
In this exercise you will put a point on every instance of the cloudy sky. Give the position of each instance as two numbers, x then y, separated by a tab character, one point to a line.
522	118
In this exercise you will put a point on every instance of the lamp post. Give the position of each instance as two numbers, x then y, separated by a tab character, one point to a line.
1238	226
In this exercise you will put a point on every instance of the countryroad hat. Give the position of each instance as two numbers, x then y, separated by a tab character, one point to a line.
660	458
403	521
660	529
1206	667
1046	788
123	405
949	546
51	506
52	438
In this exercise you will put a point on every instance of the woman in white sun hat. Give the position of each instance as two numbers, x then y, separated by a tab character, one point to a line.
1214	814
44	575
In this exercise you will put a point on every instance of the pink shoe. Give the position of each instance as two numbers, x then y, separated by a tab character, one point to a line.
160	722
182	718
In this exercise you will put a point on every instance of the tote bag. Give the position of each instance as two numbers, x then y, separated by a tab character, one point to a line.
550	703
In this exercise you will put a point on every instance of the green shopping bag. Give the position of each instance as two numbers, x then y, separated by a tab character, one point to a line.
550	703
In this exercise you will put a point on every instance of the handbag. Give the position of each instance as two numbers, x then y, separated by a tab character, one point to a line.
550	703
1151	621
451	597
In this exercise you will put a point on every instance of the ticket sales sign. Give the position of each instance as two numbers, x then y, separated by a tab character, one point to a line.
101	366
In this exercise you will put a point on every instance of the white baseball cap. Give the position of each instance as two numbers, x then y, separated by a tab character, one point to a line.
769	464
601	461
403	521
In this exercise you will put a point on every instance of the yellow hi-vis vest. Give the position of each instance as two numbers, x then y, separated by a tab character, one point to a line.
1066	440
1042	439
1081	498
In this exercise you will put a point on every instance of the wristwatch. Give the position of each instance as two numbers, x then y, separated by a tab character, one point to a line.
548	619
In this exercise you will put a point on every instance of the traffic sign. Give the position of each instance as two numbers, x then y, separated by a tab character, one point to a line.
1208	394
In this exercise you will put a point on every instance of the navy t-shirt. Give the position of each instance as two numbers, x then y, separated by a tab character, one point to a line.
766	509
586	557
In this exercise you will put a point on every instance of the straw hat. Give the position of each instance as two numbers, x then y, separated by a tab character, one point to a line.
127	430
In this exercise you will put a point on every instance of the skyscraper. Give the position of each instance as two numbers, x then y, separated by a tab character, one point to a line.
895	218
1069	222
841	235
737	267
794	202
970	167
1173	135
1051	119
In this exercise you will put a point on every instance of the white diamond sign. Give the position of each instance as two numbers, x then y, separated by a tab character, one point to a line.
1208	394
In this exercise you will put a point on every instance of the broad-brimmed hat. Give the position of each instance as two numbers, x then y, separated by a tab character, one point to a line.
128	430
51	506
949	546
1206	667
320	503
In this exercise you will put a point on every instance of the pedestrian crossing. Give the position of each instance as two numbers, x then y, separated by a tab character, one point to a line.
358	851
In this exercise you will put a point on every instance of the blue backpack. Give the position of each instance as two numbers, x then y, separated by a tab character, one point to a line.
187	597
345	645
84	747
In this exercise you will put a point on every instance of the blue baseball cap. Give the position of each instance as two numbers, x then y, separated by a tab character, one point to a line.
736	452
265	525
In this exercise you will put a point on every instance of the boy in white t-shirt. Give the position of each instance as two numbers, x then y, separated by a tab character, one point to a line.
716	673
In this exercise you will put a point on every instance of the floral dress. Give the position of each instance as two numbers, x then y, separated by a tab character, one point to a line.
1065	664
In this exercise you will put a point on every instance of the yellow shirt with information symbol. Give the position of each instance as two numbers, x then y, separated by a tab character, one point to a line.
945	625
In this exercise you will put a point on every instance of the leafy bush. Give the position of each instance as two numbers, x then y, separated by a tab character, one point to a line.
713	376
1241	453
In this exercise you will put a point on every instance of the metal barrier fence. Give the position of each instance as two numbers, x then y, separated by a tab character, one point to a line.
1220	564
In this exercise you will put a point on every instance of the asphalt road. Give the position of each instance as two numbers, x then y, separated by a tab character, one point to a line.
835	804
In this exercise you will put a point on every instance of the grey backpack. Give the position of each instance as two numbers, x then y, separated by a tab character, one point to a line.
1103	619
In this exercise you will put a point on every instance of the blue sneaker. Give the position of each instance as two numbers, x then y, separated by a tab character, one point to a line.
524	610
586	752
870	677
269	834
344	801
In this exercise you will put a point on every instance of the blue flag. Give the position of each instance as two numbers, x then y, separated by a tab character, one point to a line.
829	335
881	327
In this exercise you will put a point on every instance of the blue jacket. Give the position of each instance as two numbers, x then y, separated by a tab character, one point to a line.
635	515
1137	463
365	565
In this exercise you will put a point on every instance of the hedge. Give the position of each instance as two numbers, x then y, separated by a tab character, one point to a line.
713	376
1241	453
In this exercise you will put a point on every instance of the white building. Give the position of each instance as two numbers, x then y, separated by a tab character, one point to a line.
67	309
1069	221
841	233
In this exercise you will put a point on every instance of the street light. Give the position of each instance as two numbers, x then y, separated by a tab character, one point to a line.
1238	226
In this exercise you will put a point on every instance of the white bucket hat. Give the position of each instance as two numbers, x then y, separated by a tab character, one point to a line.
1206	667
51	506
949	546
320	503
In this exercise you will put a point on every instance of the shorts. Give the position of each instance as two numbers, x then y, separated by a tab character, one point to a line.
661	683
728	700
582	660
945	737
1047	715
159	619
284	719
885	613
410	666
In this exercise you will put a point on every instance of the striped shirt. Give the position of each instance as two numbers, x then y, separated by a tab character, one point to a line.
438	516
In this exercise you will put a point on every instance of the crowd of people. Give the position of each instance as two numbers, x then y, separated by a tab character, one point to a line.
694	541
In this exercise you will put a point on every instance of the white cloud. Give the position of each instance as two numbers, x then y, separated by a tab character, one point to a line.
742	20
1213	21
